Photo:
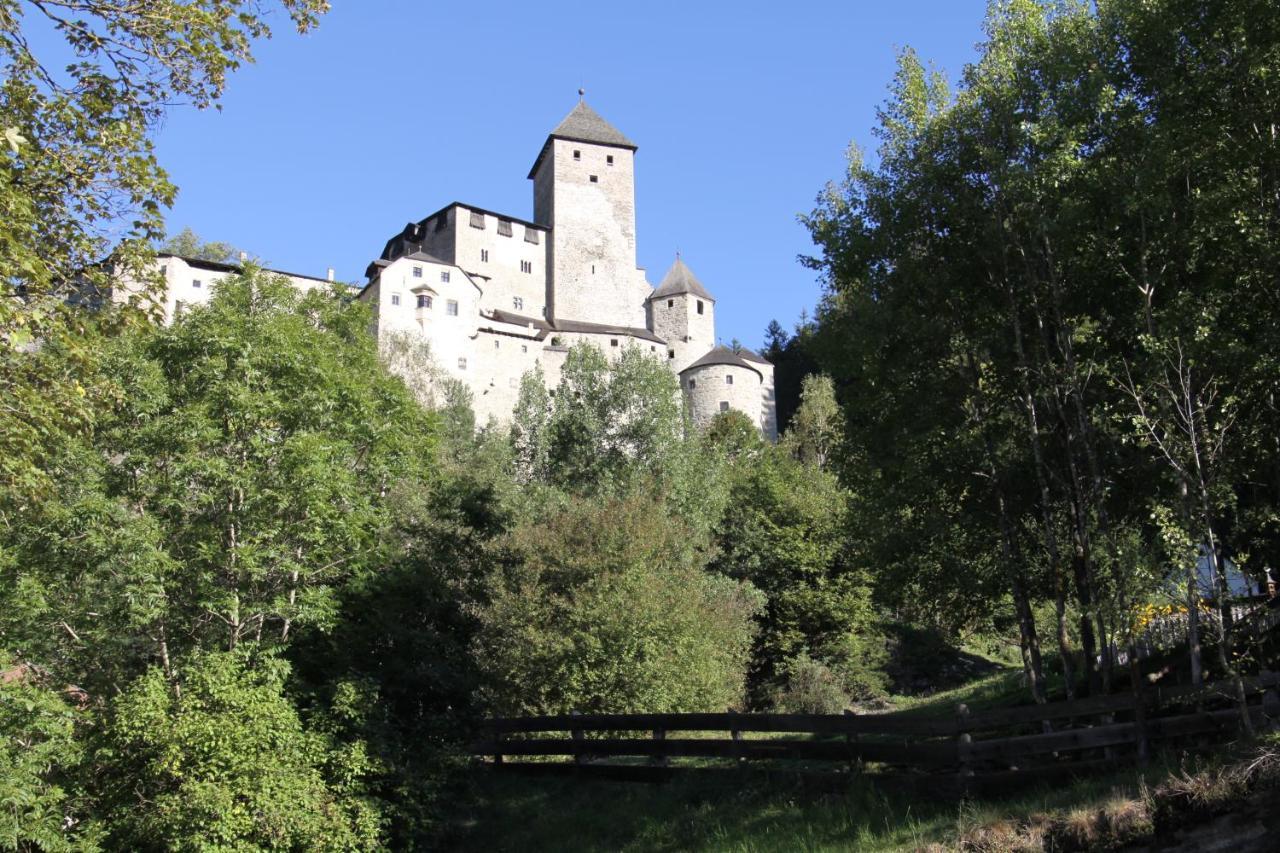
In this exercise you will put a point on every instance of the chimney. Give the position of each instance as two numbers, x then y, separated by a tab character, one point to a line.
329	274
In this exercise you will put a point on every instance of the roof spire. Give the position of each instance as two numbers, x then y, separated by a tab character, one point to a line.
582	93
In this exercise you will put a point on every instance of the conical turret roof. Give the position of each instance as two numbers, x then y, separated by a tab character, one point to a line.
723	355
680	280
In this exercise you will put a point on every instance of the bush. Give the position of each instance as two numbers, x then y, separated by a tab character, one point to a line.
219	759
605	606
810	687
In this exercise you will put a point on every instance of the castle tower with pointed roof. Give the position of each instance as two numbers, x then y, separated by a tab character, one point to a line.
584	189
495	296
682	313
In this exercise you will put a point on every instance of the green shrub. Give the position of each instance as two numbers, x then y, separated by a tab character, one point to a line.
604	606
218	758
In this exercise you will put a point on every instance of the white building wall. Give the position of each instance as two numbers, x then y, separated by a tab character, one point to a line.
513	268
394	298
191	283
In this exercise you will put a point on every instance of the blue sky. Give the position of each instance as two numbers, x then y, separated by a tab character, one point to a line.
391	109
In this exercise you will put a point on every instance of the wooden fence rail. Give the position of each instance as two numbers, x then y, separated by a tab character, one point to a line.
900	739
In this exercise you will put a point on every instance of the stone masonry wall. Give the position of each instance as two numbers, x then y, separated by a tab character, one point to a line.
593	257
706	388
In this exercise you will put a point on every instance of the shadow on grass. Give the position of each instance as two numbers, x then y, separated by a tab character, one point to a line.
744	813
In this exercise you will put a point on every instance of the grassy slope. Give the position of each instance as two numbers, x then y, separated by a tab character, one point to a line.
740	814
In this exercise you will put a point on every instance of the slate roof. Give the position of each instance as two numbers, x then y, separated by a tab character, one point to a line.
680	280
752	355
578	326
584	124
601	329
219	266
723	355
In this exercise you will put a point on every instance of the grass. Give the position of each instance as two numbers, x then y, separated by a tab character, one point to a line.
742	812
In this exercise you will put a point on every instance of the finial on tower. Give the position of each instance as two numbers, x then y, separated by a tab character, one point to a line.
582	93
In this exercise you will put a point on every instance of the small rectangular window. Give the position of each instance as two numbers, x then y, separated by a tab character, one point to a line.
526	266
531	235
671	353
728	380
477	219
424	300
613	342
442	222
178	307
504	227
395	299
524	348
595	179
417	272
724	407
517	303
462	365
451	308
197	283
693	383
577	155
496	343
671	303
699	306
444	275
609	159
484	255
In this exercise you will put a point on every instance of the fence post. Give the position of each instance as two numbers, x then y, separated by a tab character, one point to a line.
1270	702
578	756
736	734
850	738
963	743
659	760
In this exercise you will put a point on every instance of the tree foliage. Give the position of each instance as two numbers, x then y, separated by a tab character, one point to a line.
1044	277
604	606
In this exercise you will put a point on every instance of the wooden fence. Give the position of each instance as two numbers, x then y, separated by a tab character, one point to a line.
1010	742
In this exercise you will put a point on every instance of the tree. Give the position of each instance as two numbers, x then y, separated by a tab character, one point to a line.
188	244
603	605
40	755
814	435
214	755
784	532
995	283
81	192
243	477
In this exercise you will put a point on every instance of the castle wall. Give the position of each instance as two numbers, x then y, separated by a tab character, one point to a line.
192	283
514	269
500	361
708	389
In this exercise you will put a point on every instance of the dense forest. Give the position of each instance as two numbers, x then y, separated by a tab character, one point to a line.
259	578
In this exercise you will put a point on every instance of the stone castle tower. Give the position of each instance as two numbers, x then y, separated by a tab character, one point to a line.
584	190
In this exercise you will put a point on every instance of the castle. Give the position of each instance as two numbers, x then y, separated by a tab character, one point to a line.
496	295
